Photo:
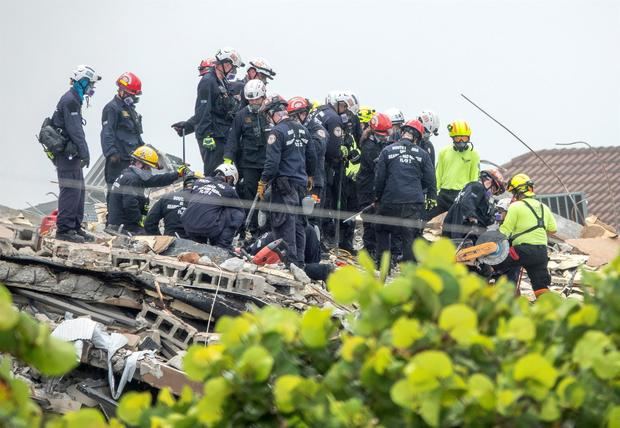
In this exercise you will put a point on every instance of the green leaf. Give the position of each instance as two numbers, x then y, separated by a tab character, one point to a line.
90	418
505	399
255	364
397	291
234	330
8	314
426	369
441	254
283	392
403	394
366	262
384	266
315	326
349	346
535	367
550	410
570	393
430	407
520	328
613	417
344	284
405	331
587	315
460	321
607	366
591	351
380	360
432	279
209	409
132	405
482	389
285	322
199	360
165	397
54	357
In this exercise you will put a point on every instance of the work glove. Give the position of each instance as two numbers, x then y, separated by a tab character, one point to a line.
472	220
183	170
145	208
354	156
85	163
115	158
180	126
141	221
430	204
50	156
208	143
310	183
260	190
345	151
228	161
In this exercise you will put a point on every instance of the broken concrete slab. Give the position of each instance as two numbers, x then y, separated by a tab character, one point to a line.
600	250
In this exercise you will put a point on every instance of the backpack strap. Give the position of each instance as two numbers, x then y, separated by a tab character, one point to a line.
540	222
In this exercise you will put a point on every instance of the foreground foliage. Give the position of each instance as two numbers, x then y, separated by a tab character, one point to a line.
434	347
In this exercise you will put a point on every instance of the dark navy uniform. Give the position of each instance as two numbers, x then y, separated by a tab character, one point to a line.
128	203
471	202
370	149
290	160
68	119
120	136
213	115
402	172
247	147
318	138
168	208
427	145
213	213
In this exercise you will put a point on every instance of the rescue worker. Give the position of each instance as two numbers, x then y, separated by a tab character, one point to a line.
402	172
67	120
430	120
377	139
247	141
365	114
258	69
214	110
457	165
526	225
299	108
169	208
398	118
472	209
128	204
121	132
289	169
214	212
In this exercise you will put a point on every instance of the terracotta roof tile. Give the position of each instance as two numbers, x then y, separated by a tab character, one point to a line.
582	170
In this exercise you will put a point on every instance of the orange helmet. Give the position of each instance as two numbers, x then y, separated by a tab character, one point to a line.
381	123
205	66
298	105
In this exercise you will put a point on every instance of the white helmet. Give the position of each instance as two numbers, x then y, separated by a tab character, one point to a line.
503	203
430	121
82	71
229	54
229	170
346	97
262	66
254	89
396	116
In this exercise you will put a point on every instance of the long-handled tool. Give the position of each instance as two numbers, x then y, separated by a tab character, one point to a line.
362	211
338	205
248	219
183	145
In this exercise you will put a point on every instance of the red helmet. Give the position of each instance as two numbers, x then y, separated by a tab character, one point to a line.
298	105
205	65
129	83
381	123
413	125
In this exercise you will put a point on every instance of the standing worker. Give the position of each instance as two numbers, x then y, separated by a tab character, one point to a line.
214	110
430	121
121	128
402	172
398	118
128	204
457	165
527	223
247	141
290	166
67	119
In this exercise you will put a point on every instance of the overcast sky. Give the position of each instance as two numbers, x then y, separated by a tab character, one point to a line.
550	70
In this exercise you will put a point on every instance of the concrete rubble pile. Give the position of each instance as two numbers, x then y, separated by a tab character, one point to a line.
132	306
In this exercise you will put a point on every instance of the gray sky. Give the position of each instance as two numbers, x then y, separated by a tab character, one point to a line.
548	69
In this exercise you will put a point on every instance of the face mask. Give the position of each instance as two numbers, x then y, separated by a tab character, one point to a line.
131	100
460	147
381	138
344	117
254	108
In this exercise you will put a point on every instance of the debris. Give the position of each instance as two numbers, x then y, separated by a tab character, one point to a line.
600	250
299	274
189	257
595	228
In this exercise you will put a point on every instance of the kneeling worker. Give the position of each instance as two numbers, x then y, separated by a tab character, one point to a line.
526	225
128	204
170	208
214	212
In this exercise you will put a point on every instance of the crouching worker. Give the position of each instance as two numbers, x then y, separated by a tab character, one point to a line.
128	204
526	225
472	211
170	208
214	212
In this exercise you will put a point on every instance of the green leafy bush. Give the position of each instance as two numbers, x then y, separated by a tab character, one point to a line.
436	346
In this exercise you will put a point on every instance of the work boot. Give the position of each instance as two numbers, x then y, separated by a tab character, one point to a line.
70	236
84	234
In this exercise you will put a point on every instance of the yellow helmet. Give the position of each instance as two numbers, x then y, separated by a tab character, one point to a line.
521	184
459	128
146	155
315	105
365	114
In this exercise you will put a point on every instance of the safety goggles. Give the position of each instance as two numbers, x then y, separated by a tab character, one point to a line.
461	139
